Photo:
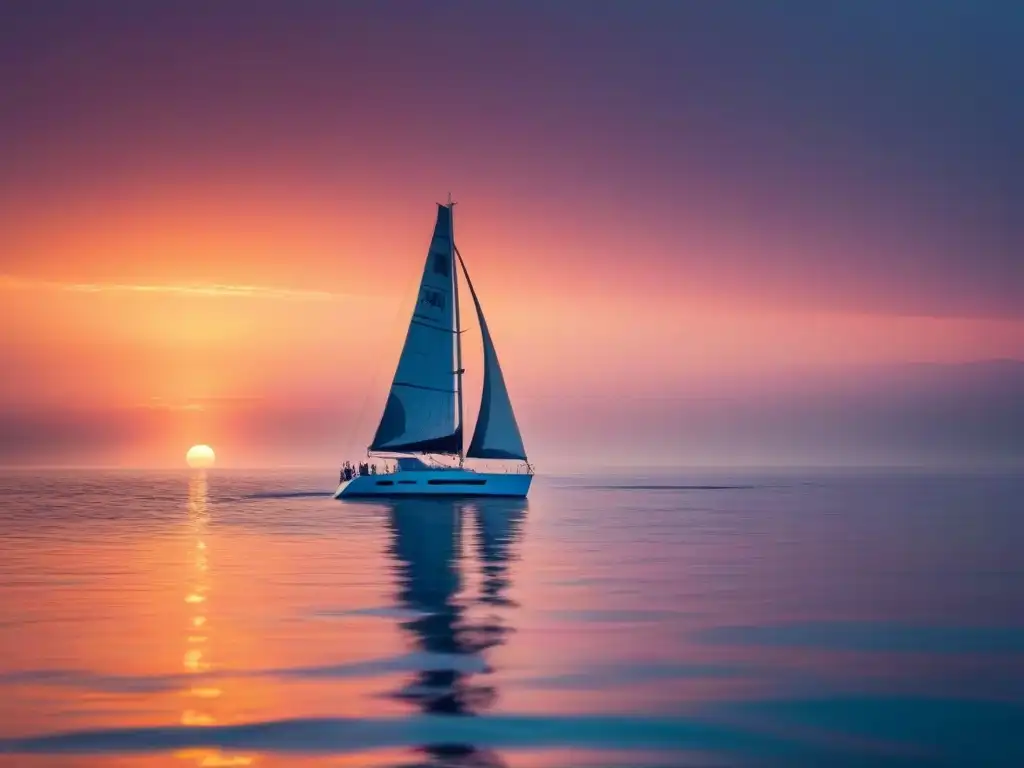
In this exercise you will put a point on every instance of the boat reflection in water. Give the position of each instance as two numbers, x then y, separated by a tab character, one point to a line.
451	628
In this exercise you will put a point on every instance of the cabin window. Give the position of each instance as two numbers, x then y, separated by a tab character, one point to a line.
456	482
385	482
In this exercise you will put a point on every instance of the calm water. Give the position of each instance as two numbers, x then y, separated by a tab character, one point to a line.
241	619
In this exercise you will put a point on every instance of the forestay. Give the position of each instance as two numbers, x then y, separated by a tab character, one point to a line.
419	416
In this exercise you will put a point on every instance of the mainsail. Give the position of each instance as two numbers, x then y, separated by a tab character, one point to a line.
497	434
419	416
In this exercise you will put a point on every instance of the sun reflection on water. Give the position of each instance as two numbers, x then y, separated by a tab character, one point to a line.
196	659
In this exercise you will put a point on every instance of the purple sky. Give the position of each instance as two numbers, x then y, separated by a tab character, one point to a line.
841	163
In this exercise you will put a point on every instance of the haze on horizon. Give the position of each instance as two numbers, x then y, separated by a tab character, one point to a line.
718	233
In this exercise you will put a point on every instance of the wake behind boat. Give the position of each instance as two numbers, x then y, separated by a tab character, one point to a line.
423	416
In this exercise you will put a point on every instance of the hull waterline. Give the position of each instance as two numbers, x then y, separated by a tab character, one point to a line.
447	482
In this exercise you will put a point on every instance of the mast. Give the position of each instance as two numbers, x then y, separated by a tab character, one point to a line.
458	332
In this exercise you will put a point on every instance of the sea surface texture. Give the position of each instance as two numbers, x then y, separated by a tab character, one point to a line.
695	619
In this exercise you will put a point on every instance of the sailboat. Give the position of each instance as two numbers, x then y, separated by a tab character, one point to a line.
423	416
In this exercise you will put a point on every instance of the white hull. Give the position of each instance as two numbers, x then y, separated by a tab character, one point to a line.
436	482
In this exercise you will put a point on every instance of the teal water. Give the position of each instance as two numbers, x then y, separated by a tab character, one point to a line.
799	618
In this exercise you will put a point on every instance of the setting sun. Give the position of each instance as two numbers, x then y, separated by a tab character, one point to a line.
200	456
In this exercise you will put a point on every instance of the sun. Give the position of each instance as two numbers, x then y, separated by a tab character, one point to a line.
200	456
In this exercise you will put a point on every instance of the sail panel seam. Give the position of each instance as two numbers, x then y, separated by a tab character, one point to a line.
422	386
417	321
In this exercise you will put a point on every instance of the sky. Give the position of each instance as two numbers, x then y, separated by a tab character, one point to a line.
702	233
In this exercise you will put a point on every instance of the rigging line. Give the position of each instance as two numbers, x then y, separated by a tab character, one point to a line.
470	322
355	430
474	321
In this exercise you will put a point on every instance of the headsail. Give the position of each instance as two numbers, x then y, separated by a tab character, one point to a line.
419	416
497	434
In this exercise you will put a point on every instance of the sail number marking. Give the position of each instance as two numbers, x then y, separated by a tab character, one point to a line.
432	298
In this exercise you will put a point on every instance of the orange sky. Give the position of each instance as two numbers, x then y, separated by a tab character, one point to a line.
234	321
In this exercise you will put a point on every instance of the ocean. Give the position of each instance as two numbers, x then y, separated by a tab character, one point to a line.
711	618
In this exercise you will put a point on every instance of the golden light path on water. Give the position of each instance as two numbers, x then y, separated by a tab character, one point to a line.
200	697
